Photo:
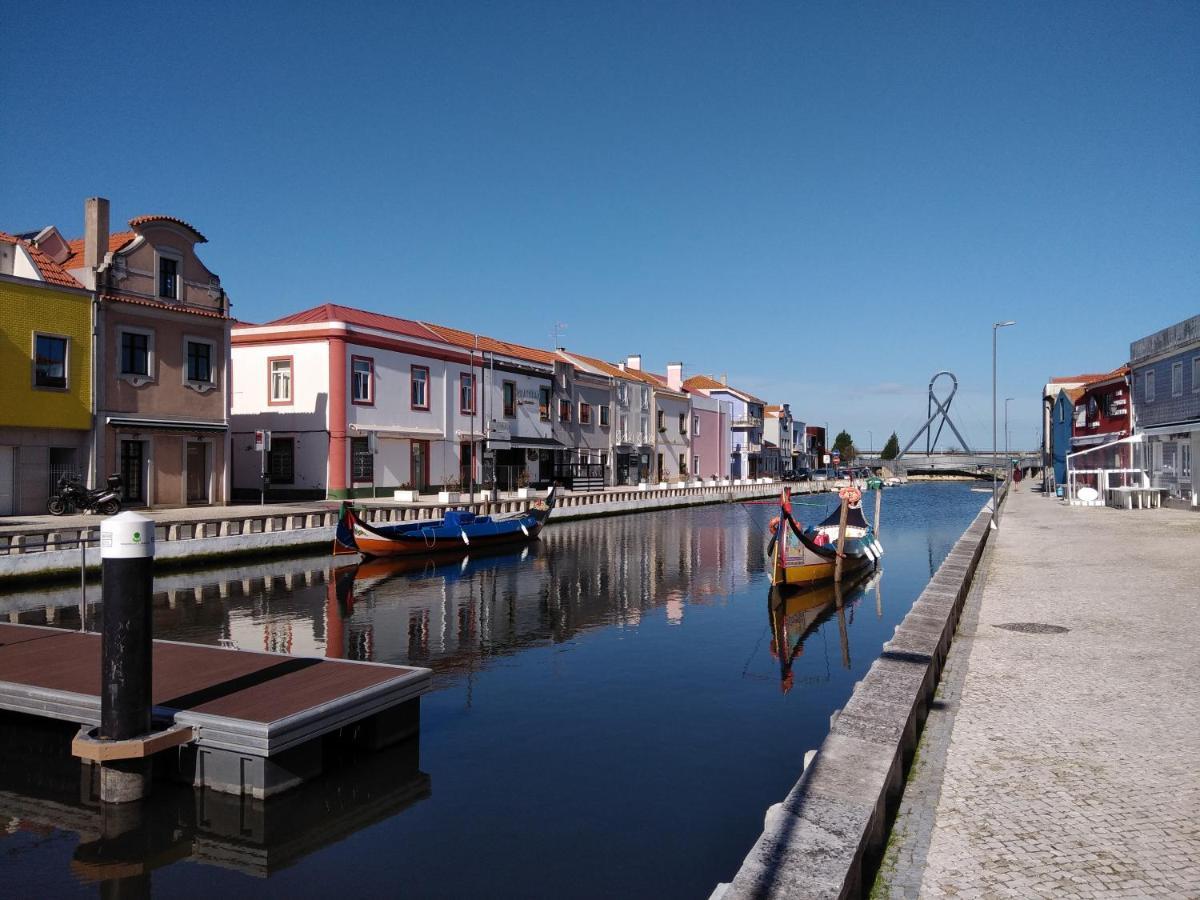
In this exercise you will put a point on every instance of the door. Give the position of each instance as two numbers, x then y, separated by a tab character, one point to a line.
197	472
419	465
133	472
7	500
465	463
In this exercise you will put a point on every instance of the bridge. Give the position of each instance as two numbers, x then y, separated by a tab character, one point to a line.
951	462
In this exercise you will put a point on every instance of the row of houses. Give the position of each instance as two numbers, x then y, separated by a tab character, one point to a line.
1139	421
122	355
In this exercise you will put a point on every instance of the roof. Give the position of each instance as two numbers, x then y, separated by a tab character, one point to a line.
137	222
708	383
472	341
600	365
333	312
1098	380
115	242
174	307
1078	379
52	272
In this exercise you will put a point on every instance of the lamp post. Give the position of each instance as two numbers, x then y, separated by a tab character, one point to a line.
1006	450
871	435
996	326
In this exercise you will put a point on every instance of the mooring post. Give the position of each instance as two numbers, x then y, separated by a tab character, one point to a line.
127	586
841	544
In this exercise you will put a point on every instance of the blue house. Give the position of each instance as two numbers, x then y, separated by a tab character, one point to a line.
1166	405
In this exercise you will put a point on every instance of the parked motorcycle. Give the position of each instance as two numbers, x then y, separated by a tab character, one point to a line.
73	495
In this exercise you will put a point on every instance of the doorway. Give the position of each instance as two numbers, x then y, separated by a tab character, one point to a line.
418	465
133	472
197	472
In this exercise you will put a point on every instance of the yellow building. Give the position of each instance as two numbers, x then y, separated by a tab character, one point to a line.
45	376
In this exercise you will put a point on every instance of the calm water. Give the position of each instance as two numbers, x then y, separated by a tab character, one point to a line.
609	715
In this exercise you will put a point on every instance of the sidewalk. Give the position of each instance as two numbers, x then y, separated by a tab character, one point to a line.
1064	763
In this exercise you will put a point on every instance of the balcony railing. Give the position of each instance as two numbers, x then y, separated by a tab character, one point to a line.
747	422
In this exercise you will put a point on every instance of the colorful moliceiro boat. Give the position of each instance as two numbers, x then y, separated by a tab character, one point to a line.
807	556
459	532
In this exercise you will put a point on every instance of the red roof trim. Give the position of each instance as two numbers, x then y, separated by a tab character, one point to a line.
170	307
137	222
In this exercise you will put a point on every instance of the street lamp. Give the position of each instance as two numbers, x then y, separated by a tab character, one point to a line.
871	435
1006	451
996	326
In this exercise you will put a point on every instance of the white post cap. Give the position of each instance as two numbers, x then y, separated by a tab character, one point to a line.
127	535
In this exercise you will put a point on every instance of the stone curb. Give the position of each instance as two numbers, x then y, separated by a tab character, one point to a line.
814	843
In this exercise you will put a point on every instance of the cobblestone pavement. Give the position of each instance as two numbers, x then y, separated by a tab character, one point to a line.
1065	764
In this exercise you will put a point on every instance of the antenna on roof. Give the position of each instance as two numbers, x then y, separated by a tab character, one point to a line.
559	328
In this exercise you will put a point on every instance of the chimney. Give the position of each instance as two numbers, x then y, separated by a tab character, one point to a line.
675	376
95	232
635	361
724	380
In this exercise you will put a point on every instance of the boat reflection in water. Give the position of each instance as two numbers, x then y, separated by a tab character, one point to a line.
44	789
797	613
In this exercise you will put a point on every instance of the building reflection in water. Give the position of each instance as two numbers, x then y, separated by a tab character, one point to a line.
44	789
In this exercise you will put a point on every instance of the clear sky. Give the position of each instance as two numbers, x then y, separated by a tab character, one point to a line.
829	202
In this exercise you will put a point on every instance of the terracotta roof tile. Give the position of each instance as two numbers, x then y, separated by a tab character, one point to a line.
174	307
334	312
605	367
138	221
115	242
471	341
706	383
52	272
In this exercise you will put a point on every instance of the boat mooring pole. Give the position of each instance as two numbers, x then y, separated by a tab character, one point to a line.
127	572
841	544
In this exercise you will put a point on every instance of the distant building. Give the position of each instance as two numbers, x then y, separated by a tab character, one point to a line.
1102	416
1165	376
745	426
814	436
777	438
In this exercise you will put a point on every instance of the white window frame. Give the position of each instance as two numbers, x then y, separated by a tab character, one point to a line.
605	416
168	253
200	386
695	426
66	362
1177	379
1148	386
291	381
136	378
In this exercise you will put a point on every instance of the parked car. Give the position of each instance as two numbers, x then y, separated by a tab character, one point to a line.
802	474
820	475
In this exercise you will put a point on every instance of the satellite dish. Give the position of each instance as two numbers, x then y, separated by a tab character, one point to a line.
1087	494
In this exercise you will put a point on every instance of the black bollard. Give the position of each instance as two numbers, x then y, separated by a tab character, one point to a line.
127	560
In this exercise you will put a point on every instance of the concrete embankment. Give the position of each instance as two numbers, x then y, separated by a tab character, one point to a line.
826	836
199	536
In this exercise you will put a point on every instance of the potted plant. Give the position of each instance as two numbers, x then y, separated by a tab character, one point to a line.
524	491
406	493
449	492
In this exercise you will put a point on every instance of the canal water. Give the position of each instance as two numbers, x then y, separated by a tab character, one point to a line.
613	711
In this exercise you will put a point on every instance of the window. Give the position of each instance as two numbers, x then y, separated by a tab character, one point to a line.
683	423
585	413
281	380
168	277
362	380
624	437
662	471
1177	379
135	353
564	410
660	419
199	362
510	399
49	361
696	465
604	417
466	392
682	464
362	461
544	403
281	460
419	394
603	458
1149	387
1195	374
695	424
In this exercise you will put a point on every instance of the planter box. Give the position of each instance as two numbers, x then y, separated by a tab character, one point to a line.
695	484
642	486
526	493
725	482
447	496
662	485
405	496
486	495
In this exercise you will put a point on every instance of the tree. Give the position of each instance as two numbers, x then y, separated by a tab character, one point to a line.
844	445
892	448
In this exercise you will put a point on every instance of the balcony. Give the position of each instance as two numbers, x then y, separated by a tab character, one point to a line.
746	422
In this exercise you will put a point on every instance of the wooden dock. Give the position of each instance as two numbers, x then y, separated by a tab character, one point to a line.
258	719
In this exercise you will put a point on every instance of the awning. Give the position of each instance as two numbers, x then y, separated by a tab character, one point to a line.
418	432
1177	428
161	424
1089	440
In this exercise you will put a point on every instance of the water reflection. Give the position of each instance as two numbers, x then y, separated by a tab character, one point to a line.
796	614
43	789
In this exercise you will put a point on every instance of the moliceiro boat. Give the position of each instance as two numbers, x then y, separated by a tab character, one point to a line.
807	556
458	531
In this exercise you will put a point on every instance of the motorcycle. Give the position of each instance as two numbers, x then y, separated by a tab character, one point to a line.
73	495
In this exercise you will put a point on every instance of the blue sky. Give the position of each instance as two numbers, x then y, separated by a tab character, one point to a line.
827	202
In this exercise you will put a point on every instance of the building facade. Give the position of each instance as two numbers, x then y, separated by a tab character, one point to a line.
710	436
745	425
1165	380
1102	416
45	376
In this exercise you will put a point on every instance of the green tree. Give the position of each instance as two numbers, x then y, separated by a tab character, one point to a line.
892	448
844	444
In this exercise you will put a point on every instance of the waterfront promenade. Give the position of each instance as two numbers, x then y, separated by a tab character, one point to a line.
1064	763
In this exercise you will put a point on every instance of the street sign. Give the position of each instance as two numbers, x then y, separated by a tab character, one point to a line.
262	441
